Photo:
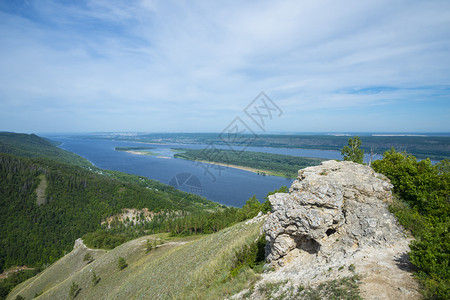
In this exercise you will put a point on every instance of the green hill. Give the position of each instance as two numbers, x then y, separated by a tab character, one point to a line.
33	146
183	268
47	204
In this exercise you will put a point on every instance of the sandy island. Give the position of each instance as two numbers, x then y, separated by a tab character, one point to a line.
238	167
147	153
140	152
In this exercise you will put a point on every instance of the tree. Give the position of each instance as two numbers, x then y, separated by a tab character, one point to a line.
148	247
95	278
74	290
88	257
352	152
251	208
372	155
122	263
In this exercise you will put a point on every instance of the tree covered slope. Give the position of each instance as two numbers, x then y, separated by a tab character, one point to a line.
33	146
73	200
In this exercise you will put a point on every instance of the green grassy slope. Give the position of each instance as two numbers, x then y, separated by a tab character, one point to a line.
184	268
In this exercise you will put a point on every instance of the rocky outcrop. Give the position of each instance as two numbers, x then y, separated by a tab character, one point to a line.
330	211
79	243
334	224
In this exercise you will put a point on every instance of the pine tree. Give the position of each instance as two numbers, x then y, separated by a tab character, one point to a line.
74	290
95	279
352	152
122	263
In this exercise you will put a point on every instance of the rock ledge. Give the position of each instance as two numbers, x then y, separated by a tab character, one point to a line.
331	210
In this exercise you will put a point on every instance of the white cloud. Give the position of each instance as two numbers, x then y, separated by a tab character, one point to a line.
205	61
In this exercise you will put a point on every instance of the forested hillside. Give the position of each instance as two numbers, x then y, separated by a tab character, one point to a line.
31	145
74	200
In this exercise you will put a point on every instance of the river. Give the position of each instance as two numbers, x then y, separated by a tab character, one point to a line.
229	186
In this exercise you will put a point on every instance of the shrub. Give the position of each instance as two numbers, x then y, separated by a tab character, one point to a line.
95	278
87	257
424	209
249	256
122	263
74	290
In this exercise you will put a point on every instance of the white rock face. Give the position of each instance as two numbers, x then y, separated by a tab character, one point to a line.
78	243
332	224
331	210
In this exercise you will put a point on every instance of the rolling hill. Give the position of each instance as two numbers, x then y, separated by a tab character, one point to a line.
50	197
196	267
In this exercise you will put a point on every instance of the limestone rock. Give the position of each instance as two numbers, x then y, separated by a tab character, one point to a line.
78	243
331	210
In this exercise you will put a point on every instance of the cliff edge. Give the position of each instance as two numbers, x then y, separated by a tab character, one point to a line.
334	222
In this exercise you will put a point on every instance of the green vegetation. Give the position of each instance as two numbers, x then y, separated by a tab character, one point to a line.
74	201
195	267
104	239
249	256
77	199
207	222
74	290
274	164
148	246
95	278
434	147
424	208
33	146
352	152
88	257
122	263
7	284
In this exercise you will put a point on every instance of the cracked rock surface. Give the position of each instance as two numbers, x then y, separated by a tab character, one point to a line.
333	208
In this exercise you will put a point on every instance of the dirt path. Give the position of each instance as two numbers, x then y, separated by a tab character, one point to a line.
40	190
387	275
13	270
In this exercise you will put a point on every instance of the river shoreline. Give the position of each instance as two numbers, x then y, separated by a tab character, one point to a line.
257	171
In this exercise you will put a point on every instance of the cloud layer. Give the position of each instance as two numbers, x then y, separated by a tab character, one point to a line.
194	65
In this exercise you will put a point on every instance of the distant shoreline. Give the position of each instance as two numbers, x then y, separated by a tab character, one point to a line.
257	171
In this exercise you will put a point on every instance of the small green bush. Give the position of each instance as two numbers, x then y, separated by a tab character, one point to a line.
251	256
74	290
95	278
87	257
122	263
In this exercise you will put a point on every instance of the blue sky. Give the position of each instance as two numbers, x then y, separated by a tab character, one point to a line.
193	66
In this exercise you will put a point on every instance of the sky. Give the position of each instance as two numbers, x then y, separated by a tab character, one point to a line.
195	66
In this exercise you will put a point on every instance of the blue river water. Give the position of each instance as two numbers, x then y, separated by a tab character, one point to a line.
229	186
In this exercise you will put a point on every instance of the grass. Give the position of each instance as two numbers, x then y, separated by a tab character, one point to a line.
40	190
195	267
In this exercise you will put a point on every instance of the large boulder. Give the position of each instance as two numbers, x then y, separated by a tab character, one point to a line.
331	208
